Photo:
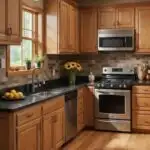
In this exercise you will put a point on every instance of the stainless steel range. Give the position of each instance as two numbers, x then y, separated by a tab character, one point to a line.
113	99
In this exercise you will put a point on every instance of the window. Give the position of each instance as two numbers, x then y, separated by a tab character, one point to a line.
31	39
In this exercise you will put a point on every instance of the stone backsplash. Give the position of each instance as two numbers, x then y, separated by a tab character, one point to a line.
53	65
95	62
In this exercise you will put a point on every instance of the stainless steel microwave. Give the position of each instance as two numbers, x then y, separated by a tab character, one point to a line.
116	40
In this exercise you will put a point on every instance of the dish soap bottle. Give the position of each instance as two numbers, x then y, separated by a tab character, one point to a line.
91	78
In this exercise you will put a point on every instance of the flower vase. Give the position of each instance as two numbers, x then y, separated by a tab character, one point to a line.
72	78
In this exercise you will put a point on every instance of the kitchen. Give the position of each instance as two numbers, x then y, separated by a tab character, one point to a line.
109	39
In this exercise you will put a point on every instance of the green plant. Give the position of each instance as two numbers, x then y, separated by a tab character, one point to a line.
39	59
28	61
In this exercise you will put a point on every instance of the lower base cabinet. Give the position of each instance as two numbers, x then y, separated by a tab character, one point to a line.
29	136
53	130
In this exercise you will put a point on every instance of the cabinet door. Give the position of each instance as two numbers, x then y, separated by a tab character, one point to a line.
89	106
3	17
106	18
125	17
29	136
48	132
59	128
14	21
64	27
88	30
53	130
143	29
73	29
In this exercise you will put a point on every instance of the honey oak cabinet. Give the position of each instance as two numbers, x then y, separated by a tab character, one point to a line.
116	18
10	15
106	18
29	136
142	29
141	108
3	17
61	27
89	106
80	109
53	130
88	30
14	20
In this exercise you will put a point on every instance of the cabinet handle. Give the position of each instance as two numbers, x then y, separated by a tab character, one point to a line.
9	31
145	104
29	115
147	122
54	118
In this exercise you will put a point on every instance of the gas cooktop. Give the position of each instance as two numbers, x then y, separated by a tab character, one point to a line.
116	78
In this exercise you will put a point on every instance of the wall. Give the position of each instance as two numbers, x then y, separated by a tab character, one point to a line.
95	63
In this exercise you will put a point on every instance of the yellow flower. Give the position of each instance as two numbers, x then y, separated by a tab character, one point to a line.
79	68
72	66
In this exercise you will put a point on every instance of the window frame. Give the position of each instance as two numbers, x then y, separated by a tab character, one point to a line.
34	39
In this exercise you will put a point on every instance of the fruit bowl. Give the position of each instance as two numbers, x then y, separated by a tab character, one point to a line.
13	95
13	99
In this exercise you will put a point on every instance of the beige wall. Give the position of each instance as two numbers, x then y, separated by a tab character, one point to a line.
33	4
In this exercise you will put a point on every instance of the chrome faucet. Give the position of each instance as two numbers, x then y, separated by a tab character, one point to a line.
34	75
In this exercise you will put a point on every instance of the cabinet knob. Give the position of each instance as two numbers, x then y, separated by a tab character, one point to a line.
54	118
9	31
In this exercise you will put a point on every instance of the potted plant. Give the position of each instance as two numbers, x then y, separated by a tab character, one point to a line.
39	61
28	64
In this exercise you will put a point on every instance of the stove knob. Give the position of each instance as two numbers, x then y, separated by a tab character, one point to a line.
102	85
125	86
111	85
120	86
98	85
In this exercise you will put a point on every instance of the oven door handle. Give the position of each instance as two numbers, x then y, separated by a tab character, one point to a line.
105	93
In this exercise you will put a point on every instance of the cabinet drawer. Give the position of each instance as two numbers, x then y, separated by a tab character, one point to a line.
141	89
141	102
28	114
53	104
140	118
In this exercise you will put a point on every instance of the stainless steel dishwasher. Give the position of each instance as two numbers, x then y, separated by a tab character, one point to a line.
70	115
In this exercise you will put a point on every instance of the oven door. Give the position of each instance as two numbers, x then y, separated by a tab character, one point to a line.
113	104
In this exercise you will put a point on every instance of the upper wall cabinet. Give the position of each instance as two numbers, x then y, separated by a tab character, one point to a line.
3	28
10	26
115	18
14	20
61	27
143	29
88	30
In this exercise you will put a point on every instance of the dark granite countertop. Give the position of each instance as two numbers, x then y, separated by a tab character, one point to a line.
38	97
138	82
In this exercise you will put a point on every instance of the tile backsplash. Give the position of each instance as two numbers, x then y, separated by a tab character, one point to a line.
95	62
115	59
53	65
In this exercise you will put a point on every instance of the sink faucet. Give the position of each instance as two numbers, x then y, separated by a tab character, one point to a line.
34	75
